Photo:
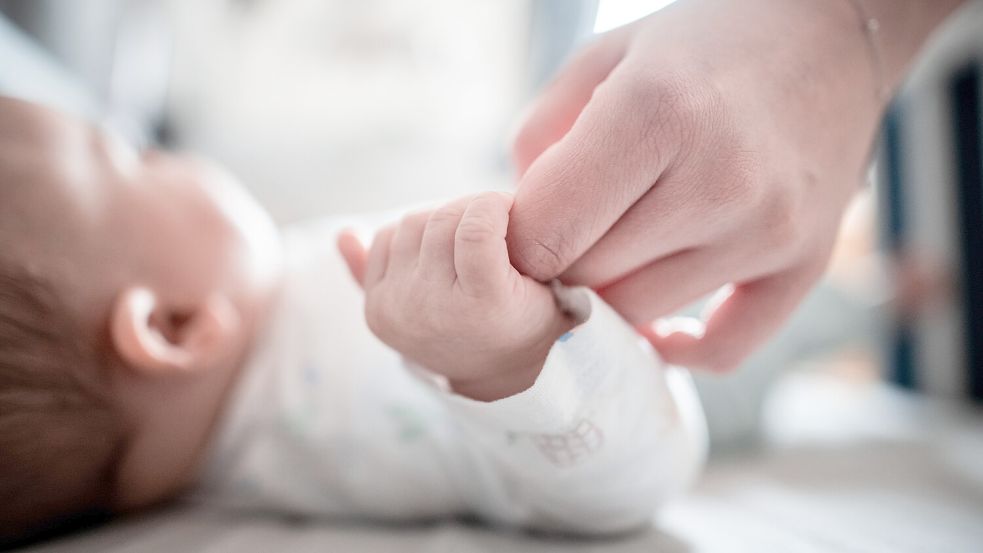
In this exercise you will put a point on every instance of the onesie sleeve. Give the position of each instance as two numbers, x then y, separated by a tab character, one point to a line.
603	437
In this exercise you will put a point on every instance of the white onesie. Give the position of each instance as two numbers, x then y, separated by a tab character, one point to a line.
328	421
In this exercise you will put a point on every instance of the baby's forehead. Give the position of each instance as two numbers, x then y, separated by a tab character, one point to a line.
38	127
38	143
44	159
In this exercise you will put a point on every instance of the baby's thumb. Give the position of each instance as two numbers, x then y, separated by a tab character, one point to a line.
355	253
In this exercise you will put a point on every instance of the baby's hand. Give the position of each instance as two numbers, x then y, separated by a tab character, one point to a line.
440	290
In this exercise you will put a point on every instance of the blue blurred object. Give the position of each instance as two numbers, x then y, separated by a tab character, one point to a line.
966	90
558	28
30	73
114	54
932	198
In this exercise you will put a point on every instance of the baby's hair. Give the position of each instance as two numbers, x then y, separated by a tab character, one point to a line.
59	433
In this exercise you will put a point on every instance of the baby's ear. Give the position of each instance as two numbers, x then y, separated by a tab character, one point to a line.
153	337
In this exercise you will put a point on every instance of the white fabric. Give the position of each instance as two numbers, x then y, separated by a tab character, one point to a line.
328	421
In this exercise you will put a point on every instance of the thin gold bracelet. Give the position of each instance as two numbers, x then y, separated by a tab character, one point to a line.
870	27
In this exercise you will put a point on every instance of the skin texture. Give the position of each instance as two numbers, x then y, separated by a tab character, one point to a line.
440	290
716	142
165	259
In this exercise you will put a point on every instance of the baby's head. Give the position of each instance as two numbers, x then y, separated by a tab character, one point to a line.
131	286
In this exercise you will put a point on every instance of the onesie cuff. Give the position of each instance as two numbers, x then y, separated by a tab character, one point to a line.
578	370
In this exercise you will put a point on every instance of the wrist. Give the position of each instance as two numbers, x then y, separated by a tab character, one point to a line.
499	386
894	31
506	374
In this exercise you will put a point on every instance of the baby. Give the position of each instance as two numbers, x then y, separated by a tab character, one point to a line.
159	336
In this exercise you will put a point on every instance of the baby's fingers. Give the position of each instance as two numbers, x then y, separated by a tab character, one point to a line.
355	254
378	259
437	249
481	258
404	253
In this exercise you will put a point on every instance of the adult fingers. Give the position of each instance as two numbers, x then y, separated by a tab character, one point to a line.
355	254
437	247
405	249
671	219
557	107
576	190
751	313
378	259
481	258
667	284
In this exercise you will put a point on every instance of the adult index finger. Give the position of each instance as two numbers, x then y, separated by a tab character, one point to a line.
579	187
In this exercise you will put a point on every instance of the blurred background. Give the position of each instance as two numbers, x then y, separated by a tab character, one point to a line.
331	106
321	106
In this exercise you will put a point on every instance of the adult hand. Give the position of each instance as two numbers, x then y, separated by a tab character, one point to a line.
712	143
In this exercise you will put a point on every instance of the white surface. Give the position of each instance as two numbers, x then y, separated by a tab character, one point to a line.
852	467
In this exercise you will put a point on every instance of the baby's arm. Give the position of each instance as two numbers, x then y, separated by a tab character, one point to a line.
581	430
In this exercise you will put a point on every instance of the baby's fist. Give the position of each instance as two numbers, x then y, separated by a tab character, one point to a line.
440	290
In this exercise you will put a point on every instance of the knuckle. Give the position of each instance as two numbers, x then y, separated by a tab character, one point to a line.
677	109
475	229
445	214
414	220
743	187
679	97
782	220
647	88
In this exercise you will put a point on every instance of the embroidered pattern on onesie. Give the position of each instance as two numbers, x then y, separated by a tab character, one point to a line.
567	449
